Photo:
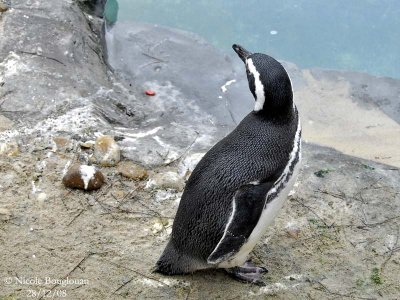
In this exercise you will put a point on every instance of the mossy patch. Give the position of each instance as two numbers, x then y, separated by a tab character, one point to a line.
321	173
368	167
360	282
319	224
376	276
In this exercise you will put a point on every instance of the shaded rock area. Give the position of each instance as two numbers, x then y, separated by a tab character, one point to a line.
152	55
337	236
40	78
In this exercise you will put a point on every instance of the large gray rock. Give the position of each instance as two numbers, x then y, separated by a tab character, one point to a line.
149	55
201	93
145	53
50	63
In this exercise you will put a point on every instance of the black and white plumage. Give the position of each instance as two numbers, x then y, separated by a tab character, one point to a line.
238	187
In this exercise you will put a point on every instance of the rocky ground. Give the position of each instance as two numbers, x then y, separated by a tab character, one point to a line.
337	237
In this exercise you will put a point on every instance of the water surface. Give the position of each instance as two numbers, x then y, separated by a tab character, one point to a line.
362	35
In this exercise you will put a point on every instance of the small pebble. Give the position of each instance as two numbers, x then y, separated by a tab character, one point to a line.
41	197
132	170
3	7
293	231
61	144
119	194
150	92
159	225
106	151
167	180
87	145
83	177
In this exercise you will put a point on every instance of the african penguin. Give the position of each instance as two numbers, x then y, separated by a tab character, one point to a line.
238	187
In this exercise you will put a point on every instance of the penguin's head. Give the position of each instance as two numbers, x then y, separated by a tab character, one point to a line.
268	81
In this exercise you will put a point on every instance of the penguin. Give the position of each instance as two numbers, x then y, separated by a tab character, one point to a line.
240	184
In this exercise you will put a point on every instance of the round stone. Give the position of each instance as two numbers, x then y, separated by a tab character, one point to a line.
131	170
106	151
61	144
83	177
3	7
87	145
167	180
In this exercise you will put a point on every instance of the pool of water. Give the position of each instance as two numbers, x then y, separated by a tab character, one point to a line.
361	35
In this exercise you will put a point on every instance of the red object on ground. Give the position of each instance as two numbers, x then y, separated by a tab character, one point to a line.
150	92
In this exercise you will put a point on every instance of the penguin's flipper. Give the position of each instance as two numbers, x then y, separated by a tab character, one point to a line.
247	206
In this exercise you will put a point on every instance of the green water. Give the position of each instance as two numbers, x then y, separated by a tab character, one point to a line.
362	35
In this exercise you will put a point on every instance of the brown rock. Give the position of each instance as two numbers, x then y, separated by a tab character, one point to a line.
87	145
3	7
132	170
167	180
62	143
83	177
106	151
119	194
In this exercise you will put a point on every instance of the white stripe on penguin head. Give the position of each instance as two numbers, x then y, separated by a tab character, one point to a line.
260	96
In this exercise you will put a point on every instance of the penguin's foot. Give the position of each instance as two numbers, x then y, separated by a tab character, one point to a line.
248	273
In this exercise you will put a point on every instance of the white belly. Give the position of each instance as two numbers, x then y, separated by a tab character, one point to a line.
267	216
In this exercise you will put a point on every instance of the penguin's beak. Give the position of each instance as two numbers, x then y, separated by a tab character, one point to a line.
243	53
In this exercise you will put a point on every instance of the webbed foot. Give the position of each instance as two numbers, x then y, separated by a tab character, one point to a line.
248	273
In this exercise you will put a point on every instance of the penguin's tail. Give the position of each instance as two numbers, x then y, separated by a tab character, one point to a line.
172	262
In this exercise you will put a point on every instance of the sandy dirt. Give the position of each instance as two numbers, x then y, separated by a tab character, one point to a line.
333	118
337	236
